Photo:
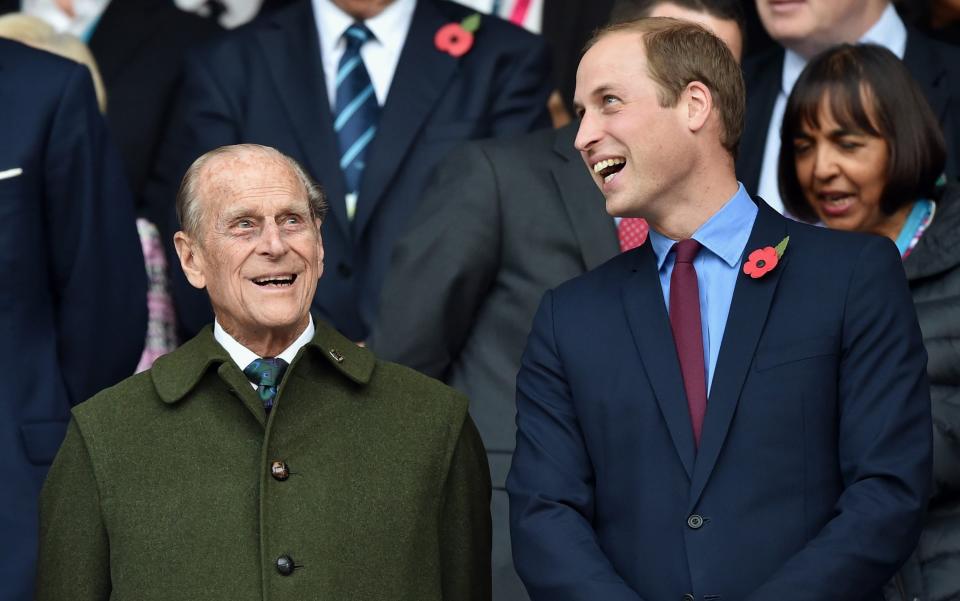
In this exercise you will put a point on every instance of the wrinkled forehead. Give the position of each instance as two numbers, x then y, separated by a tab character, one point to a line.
230	178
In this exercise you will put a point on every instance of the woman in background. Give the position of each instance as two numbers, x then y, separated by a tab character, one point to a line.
862	151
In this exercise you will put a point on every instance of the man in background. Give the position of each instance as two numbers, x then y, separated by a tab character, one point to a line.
810	26
368	95
502	222
73	298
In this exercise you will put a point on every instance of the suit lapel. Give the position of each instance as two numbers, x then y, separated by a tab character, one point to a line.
761	98
292	50
929	71
650	326
421	77
593	227
748	315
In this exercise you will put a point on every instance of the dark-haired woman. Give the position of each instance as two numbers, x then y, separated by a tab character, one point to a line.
862	151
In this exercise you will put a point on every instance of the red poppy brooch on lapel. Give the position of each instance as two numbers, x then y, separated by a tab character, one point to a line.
763	260
456	39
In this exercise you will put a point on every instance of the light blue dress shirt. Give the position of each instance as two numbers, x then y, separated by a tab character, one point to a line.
723	239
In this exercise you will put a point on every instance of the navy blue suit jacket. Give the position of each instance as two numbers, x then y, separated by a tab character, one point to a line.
73	298
265	84
814	463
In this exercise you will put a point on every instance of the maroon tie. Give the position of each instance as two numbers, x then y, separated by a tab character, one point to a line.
685	323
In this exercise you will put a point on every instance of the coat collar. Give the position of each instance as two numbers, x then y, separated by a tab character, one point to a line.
176	374
936	251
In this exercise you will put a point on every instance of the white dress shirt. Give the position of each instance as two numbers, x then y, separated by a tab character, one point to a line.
243	356
86	15
380	56
889	32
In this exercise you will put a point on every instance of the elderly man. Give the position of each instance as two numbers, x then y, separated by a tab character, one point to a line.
727	411
269	457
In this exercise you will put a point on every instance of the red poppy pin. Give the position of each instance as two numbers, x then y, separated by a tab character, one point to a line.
763	260
456	39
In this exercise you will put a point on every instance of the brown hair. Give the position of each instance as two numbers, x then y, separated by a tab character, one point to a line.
727	10
869	91
678	53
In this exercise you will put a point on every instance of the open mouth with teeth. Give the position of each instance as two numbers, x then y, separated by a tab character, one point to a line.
607	169
835	203
275	281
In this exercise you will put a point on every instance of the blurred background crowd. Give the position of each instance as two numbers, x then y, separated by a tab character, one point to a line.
456	196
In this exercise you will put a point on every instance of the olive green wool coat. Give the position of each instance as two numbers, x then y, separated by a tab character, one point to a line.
163	490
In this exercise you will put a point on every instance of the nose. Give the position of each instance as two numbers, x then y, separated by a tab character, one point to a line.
825	163
272	242
588	134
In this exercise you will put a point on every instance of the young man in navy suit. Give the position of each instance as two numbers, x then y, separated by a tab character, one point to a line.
735	410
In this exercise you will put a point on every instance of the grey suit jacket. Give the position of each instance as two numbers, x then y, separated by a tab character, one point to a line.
500	223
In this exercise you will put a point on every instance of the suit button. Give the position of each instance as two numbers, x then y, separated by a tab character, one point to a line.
688	597
285	565
279	470
344	270
695	521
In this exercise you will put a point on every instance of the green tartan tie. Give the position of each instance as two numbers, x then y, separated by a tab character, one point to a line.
266	373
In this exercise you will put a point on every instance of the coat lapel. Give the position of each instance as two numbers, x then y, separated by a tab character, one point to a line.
289	43
764	80
593	227
421	77
650	326
928	69
748	315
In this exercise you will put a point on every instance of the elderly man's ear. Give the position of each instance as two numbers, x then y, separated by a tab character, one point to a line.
191	260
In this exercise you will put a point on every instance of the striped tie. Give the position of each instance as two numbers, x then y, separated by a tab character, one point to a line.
356	110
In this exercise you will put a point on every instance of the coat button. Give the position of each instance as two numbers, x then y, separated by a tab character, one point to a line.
285	565
279	470
695	521
688	597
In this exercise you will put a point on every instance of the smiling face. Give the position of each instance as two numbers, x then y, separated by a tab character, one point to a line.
810	26
842	173
633	147
257	250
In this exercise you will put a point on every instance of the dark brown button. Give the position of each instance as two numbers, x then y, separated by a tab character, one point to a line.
285	565
279	470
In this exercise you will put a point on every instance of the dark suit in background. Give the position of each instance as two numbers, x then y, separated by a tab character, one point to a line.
813	466
934	64
501	222
73	298
265	84
139	47
567	26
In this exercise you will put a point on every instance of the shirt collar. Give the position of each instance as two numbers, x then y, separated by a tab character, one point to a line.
889	32
243	356
389	28
725	234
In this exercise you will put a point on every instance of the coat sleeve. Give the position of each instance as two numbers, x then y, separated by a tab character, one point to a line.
96	262
884	443
442	267
465	530
74	559
555	548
